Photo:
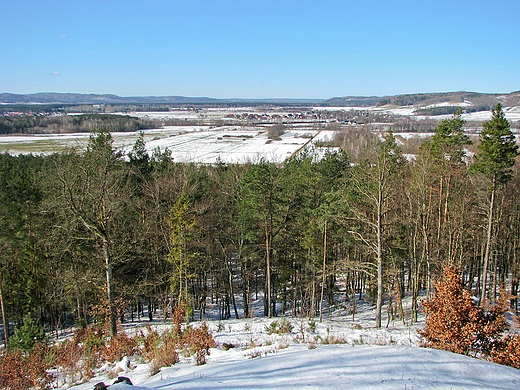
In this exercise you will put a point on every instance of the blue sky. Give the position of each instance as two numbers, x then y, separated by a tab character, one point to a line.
259	49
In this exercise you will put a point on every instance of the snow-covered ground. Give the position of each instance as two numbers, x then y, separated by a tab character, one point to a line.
342	352
198	144
232	145
511	113
338	367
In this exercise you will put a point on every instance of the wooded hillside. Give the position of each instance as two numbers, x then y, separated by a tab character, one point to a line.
87	236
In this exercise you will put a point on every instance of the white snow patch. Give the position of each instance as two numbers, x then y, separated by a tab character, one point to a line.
367	358
359	367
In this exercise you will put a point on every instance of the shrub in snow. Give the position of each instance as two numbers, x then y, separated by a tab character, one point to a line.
191	341
93	342
507	351
199	341
455	323
21	370
149	341
119	346
227	346
165	353
284	326
271	328
69	359
77	358
177	317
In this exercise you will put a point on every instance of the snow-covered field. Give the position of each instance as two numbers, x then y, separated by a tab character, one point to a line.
342	352
198	144
511	113
233	144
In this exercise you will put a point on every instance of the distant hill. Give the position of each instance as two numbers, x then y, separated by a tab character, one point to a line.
479	101
79	98
352	101
425	99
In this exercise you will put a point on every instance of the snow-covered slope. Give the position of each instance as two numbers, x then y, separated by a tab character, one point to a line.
337	367
307	358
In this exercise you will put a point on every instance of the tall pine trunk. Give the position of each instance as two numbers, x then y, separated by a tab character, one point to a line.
323	274
488	241
110	288
268	266
5	319
379	227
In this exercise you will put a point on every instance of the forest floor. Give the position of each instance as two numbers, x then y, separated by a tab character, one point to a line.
342	351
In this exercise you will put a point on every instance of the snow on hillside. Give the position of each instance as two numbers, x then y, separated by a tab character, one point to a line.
450	104
511	113
329	367
342	352
343	367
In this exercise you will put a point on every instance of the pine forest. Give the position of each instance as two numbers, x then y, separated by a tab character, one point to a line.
97	236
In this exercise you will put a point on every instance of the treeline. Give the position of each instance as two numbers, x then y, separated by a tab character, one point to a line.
39	124
398	123
449	110
362	116
424	99
86	123
94	235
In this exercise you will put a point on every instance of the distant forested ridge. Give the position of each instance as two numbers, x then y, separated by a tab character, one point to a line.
81	98
38	124
482	100
449	110
423	99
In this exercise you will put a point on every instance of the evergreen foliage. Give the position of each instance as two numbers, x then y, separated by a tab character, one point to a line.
448	142
370	198
182	230
496	157
26	336
497	148
139	157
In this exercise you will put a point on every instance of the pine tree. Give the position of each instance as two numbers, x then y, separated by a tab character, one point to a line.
22	273
139	158
371	195
93	192
496	157
260	214
26	336
447	144
182	230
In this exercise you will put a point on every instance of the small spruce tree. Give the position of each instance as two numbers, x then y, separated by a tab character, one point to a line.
26	336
